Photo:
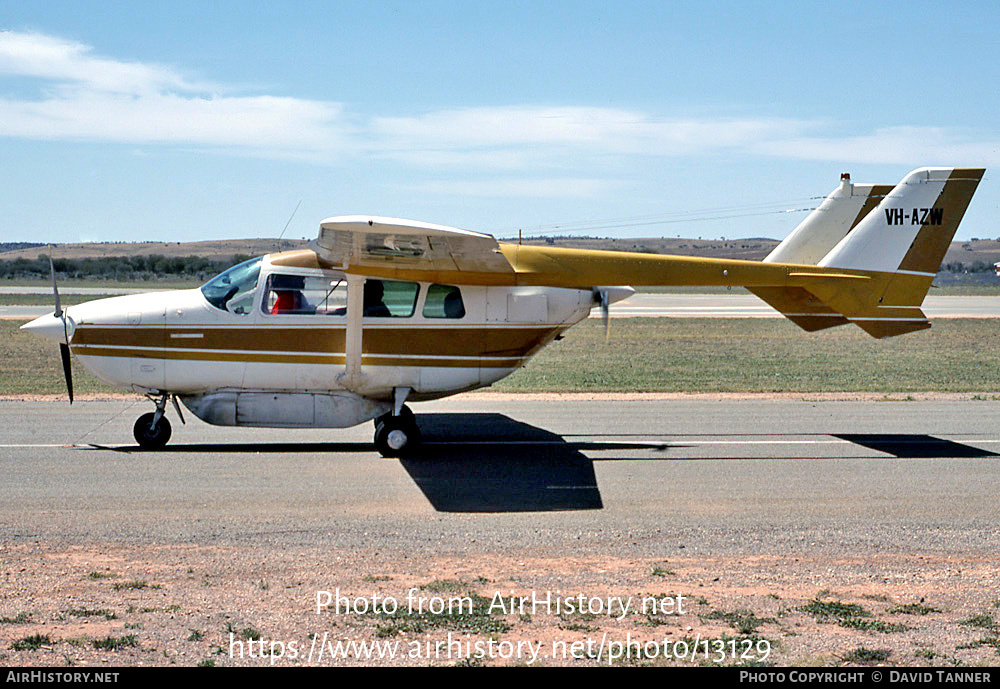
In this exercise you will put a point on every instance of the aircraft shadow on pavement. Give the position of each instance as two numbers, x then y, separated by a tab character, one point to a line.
240	448
483	462
492	463
914	446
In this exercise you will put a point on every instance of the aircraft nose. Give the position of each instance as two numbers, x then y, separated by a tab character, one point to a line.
47	326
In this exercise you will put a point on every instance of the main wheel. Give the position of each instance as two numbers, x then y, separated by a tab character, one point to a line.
396	436
148	436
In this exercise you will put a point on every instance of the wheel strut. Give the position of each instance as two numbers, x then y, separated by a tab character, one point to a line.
152	430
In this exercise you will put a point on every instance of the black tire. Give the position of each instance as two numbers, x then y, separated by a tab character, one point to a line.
148	437
405	413
397	436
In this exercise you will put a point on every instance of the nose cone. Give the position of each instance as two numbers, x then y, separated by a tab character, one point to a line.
49	327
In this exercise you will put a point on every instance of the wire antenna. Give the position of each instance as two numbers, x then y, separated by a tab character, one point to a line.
290	220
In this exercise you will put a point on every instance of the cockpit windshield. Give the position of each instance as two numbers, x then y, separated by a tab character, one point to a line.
233	290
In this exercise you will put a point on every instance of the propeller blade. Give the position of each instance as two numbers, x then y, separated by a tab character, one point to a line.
67	369
606	315
55	290
63	346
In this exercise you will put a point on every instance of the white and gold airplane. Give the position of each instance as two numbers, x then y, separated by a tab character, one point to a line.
381	311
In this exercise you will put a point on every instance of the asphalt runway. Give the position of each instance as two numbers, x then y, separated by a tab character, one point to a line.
742	305
636	478
734	305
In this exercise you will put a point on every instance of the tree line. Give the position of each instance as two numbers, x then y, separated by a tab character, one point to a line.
966	267
124	268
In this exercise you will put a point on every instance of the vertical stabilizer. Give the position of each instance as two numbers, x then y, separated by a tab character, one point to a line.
822	229
912	226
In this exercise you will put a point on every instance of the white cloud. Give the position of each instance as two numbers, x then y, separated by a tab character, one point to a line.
595	130
569	187
48	57
82	96
93	98
894	145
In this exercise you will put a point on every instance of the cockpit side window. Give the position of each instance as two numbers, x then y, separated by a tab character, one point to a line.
233	290
390	298
318	295
444	301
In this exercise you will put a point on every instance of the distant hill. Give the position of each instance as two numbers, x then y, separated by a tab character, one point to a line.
14	246
754	249
749	249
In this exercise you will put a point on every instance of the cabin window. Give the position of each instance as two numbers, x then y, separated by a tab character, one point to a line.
390	298
233	290
444	301
317	295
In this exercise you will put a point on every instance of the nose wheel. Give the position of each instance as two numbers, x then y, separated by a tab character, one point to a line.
151	433
152	430
397	436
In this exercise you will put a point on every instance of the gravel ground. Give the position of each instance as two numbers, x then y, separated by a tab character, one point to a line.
106	605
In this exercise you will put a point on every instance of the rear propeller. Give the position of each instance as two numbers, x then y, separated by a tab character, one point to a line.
605	302
63	346
605	297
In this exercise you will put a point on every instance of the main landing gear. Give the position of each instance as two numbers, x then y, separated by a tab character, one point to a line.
152	430
397	435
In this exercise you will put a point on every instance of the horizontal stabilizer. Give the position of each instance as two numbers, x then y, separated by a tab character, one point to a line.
800	307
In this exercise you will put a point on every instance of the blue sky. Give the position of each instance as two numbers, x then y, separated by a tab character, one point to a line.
191	120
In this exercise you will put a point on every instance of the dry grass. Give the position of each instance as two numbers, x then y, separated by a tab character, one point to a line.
762	355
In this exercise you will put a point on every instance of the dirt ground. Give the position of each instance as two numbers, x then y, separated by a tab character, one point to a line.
111	605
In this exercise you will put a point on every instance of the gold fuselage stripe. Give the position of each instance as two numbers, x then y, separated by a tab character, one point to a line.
469	347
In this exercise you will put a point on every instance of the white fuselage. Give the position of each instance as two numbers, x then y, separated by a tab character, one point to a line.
248	364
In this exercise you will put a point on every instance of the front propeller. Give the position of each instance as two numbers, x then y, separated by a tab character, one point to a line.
64	345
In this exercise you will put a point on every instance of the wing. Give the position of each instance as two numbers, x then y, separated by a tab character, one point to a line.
361	241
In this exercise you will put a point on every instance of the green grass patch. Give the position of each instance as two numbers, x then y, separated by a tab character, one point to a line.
86	612
47	299
250	634
867	625
472	617
983	621
989	641
761	355
826	609
19	618
135	585
868	655
116	643
31	643
912	609
446	586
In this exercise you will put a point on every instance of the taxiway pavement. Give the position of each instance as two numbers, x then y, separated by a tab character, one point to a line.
646	478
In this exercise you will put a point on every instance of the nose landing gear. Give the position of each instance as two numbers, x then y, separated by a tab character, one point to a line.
151	433
152	430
